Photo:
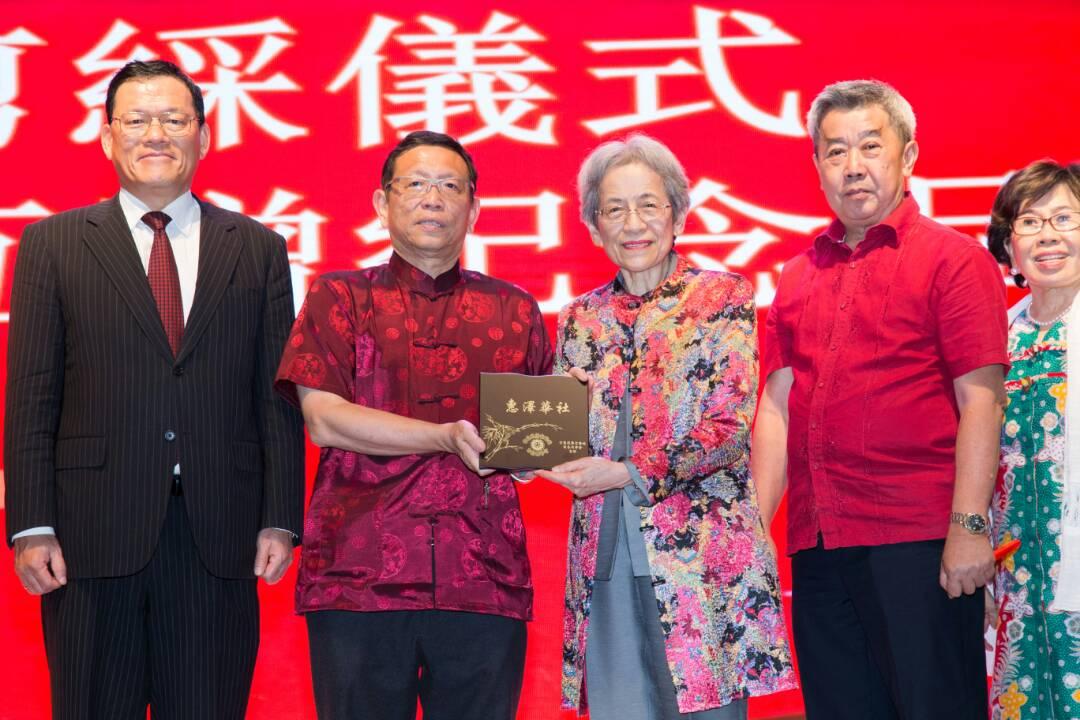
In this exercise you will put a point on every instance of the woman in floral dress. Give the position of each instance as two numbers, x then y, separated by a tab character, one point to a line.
1035	229
672	598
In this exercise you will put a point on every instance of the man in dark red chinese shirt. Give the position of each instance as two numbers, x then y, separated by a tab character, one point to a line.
413	578
884	358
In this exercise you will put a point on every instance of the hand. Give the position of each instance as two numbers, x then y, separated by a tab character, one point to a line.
462	439
772	547
39	563
967	562
990	615
273	554
588	476
582	376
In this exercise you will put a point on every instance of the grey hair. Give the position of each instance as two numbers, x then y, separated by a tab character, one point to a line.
855	94
636	148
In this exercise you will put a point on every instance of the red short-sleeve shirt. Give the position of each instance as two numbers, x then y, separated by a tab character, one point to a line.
875	338
412	532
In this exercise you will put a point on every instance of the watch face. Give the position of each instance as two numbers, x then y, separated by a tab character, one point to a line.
975	523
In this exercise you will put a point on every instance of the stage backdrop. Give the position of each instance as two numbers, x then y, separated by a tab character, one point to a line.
305	99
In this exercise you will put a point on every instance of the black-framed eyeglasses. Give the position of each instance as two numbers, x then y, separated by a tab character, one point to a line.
646	212
137	124
1033	224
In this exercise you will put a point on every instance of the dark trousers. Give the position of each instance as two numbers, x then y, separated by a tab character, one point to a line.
374	665
171	636
878	639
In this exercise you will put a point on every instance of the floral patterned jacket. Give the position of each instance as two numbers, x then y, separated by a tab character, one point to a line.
688	351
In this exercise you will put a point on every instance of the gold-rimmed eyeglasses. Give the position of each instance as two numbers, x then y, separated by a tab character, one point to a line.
412	186
1033	224
646	212
137	124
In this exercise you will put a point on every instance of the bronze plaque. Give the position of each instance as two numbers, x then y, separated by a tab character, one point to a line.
530	422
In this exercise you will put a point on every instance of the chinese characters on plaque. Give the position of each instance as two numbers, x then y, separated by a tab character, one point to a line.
532	422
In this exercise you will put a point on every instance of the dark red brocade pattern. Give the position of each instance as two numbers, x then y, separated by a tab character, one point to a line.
875	338
415	531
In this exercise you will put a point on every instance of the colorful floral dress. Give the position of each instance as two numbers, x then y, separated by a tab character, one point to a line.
1037	662
687	353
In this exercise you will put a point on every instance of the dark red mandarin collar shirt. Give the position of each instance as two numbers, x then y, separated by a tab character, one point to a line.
875	338
412	532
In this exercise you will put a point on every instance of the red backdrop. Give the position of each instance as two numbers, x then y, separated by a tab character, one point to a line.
305	101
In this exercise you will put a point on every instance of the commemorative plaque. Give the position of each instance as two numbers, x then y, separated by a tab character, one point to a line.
532	422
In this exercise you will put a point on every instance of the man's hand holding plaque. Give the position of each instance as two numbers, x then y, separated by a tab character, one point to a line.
532	422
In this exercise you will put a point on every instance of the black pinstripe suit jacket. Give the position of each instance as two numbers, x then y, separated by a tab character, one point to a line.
98	410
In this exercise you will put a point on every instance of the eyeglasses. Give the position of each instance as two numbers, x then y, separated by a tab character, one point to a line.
1033	224
137	124
646	212
414	187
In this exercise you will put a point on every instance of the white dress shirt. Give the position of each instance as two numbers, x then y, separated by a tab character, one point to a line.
183	231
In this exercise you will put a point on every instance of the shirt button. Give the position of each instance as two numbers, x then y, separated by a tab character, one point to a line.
815	466
843	305
170	435
634	305
813	426
852	266
832	347
821	384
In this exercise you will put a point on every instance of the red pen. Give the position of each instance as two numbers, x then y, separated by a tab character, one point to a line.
1004	550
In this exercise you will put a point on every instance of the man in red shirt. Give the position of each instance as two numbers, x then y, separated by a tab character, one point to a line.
884	358
413	577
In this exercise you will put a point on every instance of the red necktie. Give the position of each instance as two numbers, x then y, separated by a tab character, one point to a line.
165	281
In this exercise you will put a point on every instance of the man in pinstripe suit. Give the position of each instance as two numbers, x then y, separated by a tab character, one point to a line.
151	471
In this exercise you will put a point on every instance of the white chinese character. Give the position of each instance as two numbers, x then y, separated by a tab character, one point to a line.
511	406
301	229
230	92
923	189
546	236
11	46
28	210
99	60
484	73
364	67
746	244
709	44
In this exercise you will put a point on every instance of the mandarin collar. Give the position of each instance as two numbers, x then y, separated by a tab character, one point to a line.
889	231
668	286
419	281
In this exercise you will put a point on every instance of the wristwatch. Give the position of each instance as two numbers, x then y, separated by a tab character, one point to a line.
974	523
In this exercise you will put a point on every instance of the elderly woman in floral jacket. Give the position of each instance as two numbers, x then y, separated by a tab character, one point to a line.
672	598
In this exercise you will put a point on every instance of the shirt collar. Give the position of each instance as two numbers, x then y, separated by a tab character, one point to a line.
889	231
675	273
420	281
183	212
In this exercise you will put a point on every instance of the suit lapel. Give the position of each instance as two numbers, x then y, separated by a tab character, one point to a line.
109	239
219	248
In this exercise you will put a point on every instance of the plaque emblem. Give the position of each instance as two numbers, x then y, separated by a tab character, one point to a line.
536	444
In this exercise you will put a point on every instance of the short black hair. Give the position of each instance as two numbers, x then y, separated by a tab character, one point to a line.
149	69
427	137
1019	191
